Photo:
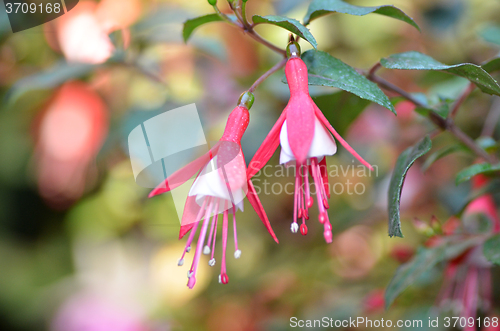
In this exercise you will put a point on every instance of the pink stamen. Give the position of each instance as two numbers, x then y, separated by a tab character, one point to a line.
296	210
470	294
303	229
199	246
234	229
193	230
324	176
309	199
325	203
215	235
328	231
300	191
223	276
485	275
214	222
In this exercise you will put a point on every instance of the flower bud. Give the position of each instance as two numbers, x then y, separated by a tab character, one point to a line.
212	2
246	100
293	50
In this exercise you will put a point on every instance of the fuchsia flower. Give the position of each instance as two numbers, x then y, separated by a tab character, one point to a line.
219	188
305	136
468	278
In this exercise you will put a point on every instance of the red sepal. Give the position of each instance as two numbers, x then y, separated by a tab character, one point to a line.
267	148
184	174
344	143
257	206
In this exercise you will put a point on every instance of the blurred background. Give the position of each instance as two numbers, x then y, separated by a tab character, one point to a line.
83	249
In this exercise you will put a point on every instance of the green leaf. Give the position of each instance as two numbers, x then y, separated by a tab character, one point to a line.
325	70
424	260
476	169
491	34
289	24
403	164
191	24
492	65
442	109
491	249
442	153
53	77
488	144
341	108
319	8
419	61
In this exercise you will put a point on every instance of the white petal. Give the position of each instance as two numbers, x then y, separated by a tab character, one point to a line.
210	183
321	145
323	142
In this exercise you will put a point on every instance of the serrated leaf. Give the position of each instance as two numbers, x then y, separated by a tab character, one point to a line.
491	34
325	70
319	8
341	108
440	154
476	169
403	164
492	65
289	24
491	249
419	61
53	77
191	24
424	260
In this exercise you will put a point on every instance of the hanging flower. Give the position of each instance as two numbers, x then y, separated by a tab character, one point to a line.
69	133
305	136
219	188
468	280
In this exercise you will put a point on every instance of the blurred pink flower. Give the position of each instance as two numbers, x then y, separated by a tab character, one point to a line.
70	132
92	312
82	33
468	281
81	36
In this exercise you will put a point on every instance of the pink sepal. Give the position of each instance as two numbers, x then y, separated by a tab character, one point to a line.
185	173
267	148
257	206
344	143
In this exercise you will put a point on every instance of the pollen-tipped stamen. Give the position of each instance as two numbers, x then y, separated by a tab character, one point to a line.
323	215
296	210
201	240
216	220
236	249
309	200
206	249
223	276
187	248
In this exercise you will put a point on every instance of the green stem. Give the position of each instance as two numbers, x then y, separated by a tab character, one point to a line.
244	14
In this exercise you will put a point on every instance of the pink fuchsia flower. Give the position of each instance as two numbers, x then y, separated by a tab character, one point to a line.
305	136
219	188
468	285
70	132
468	282
81	37
484	204
82	33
